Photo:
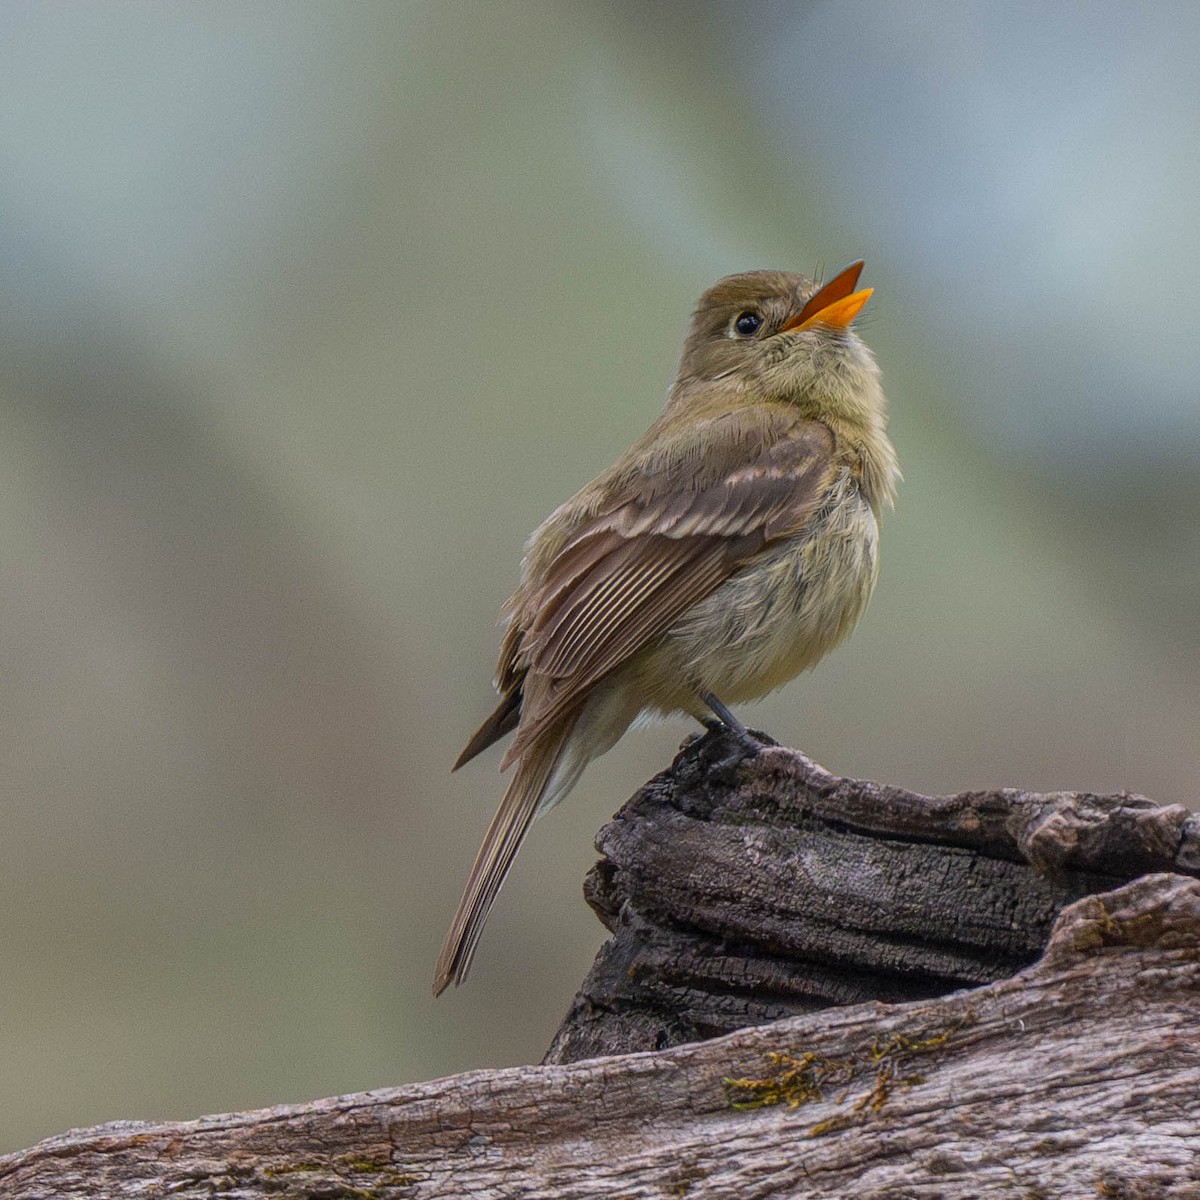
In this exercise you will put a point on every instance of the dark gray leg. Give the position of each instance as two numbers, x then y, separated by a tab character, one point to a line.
726	717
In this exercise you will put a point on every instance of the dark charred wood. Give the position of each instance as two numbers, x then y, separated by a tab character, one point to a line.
745	887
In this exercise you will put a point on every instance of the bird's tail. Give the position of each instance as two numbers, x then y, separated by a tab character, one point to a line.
545	773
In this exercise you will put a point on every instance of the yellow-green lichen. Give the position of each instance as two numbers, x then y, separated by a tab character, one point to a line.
804	1077
800	1079
335	1183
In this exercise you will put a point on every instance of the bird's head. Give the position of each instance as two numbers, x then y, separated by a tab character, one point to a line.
776	335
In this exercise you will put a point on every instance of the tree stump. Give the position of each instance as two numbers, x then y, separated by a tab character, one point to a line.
860	942
744	887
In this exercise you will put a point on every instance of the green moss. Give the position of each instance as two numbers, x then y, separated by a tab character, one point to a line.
296	1168
360	1162
336	1186
803	1077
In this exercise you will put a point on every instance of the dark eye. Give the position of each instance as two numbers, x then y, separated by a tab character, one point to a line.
747	324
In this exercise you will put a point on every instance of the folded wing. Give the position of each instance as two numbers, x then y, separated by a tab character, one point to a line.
659	542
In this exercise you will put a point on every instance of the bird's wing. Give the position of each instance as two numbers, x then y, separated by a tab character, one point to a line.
663	539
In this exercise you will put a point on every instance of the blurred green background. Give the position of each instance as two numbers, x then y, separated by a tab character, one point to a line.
310	312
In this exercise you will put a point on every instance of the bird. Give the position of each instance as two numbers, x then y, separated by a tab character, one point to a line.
730	548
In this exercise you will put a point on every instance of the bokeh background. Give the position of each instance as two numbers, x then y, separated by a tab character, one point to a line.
309	312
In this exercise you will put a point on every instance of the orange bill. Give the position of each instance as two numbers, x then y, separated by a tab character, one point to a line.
836	304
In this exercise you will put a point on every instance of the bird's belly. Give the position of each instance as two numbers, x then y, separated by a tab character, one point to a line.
779	614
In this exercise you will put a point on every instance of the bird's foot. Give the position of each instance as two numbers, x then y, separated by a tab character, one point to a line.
724	715
746	743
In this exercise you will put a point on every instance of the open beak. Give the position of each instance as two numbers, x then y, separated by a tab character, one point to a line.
836	304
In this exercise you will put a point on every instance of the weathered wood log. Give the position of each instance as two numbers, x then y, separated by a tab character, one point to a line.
743	887
1080	1076
828	923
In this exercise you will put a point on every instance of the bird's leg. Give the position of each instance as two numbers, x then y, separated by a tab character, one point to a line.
725	716
748	741
744	743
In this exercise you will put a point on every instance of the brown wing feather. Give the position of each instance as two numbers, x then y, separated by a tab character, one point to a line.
626	575
503	720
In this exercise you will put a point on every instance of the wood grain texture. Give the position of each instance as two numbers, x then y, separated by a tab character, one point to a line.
744	887
843	989
1079	1076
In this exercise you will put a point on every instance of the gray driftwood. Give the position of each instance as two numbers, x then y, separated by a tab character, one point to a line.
744	887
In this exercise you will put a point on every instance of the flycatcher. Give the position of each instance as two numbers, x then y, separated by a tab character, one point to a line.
731	547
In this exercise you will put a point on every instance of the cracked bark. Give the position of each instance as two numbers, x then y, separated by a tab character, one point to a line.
828	922
744	889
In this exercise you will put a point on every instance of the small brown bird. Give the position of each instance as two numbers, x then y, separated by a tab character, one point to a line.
731	547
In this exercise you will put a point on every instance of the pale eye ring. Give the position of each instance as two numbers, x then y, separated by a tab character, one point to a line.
747	324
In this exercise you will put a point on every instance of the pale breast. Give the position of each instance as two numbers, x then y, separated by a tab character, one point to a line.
783	612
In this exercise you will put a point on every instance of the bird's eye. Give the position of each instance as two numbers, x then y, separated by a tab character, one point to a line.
747	324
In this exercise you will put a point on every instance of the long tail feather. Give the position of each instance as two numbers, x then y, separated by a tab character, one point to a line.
500	845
